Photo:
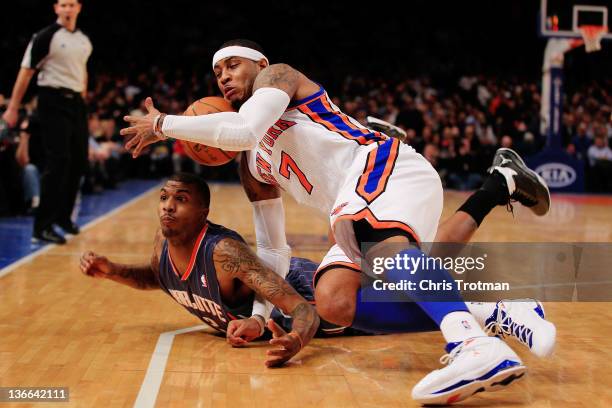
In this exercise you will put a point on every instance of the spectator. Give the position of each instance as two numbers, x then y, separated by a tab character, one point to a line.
581	142
600	161
464	176
409	117
506	141
96	175
9	171
110	141
30	156
431	152
183	163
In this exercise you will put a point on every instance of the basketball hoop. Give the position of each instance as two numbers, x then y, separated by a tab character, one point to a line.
592	34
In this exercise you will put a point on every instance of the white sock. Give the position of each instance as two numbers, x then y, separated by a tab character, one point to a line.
481	310
35	201
459	326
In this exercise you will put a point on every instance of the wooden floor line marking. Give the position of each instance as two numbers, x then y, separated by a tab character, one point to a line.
155	372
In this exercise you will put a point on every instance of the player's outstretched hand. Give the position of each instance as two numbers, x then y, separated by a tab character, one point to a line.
242	331
289	345
95	265
140	130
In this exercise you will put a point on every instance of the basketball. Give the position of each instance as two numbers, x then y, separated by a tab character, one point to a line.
207	155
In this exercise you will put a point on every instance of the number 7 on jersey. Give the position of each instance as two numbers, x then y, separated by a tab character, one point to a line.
287	163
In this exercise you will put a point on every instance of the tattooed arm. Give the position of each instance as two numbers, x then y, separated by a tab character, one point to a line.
137	276
235	258
284	77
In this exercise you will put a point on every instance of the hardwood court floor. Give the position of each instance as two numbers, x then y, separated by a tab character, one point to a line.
60	328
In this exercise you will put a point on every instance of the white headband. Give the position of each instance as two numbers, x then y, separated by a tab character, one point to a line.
238	51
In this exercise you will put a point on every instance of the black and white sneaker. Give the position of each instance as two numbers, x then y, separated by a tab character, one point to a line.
387	128
524	185
47	235
70	228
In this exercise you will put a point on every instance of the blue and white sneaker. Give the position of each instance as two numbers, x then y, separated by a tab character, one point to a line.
474	365
523	319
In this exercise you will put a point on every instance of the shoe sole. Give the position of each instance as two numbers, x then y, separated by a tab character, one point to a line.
44	241
518	159
496	382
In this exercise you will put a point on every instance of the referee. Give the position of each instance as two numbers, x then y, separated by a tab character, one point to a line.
59	53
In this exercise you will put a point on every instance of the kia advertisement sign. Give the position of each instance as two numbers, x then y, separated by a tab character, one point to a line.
561	171
557	175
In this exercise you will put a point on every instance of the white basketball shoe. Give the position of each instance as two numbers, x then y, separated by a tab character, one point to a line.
474	365
523	319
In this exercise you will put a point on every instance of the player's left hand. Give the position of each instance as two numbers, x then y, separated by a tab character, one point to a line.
241	331
141	129
289	343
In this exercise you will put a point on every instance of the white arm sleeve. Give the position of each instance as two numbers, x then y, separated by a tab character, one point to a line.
272	248
233	131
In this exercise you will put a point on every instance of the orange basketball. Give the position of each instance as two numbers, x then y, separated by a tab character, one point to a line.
207	155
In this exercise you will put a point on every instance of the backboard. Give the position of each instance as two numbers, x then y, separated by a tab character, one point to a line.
562	18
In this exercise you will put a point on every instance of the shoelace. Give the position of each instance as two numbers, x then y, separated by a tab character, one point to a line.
528	198
510	208
504	326
450	357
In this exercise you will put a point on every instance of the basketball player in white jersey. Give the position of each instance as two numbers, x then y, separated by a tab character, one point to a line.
374	190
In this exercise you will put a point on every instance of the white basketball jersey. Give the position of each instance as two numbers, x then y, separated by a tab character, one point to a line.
309	151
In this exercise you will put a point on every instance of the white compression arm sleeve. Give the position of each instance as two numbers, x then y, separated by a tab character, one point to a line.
272	248
234	131
269	220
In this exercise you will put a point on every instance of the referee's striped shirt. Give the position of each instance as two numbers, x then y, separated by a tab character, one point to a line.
60	56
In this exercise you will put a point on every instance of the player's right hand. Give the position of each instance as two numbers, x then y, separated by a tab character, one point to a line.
140	130
95	265
10	116
242	331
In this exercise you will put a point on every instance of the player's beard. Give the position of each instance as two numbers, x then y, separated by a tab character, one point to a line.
169	233
248	92
180	235
236	104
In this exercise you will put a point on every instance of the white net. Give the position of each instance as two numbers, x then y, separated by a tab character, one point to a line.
592	34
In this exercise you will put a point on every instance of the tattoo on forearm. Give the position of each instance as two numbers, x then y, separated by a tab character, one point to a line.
141	277
280	76
238	260
234	257
305	321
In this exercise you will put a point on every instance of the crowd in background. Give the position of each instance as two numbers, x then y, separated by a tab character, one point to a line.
456	125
